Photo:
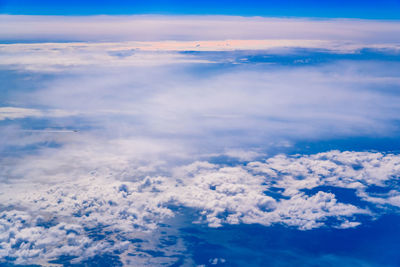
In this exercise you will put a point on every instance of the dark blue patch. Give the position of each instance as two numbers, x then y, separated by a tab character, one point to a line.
374	189
123	188
135	240
375	243
63	259
105	260
95	233
225	161
295	56
380	144
46	224
168	241
344	195
275	193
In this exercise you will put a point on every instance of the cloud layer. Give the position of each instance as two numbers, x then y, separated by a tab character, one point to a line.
251	101
193	28
45	219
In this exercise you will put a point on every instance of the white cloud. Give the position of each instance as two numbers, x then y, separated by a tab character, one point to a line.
257	106
194	28
112	195
17	113
357	170
50	57
347	224
12	113
22	239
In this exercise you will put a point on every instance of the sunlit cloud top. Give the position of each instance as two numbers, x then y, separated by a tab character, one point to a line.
193	28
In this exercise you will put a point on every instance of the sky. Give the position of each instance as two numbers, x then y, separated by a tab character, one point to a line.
187	134
385	9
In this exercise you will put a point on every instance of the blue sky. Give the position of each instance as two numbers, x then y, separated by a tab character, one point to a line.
385	9
180	135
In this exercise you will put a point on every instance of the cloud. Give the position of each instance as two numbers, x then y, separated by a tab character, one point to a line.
357	170
198	110
255	104
193	28
17	113
12	113
240	194
45	219
25	239
50	57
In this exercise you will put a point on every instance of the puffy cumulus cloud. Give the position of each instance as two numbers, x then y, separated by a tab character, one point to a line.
25	238
235	195
65	209
227	194
357	170
83	219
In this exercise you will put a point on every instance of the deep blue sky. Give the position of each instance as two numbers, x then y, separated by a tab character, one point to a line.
383	9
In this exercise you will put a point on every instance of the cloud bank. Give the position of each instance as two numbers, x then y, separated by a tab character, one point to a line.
51	219
194	28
